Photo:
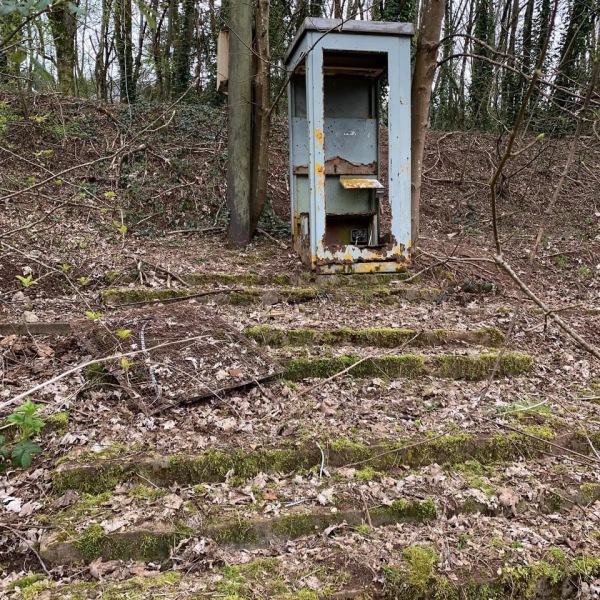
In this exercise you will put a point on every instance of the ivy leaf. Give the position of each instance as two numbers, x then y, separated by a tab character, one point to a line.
23	453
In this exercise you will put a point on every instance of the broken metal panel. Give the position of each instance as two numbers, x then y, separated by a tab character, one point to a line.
182	352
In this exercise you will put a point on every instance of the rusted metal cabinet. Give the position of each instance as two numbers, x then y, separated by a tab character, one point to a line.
350	212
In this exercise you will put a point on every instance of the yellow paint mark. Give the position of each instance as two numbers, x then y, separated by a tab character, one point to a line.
319	136
319	170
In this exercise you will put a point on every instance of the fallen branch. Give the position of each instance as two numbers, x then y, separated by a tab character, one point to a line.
557	319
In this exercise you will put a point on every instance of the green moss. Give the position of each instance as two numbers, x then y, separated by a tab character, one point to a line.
293	526
405	365
367	474
119	296
236	533
495	337
92	481
420	510
144	492
111	276
479	367
421	561
90	543
544	432
59	421
589	493
96	373
25	582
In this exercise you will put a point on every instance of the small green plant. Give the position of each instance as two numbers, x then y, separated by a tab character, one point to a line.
28	281
561	262
121	228
110	195
94	316
29	423
25	417
584	272
83	280
123	333
65	267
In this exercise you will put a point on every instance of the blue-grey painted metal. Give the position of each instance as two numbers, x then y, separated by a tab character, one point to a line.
334	131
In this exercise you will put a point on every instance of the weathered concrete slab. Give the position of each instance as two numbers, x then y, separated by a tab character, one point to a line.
174	353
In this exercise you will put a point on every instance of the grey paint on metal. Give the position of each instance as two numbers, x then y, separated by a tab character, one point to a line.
354	140
340	201
327	26
316	151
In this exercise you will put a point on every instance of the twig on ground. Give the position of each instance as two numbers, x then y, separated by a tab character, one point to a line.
88	363
29	545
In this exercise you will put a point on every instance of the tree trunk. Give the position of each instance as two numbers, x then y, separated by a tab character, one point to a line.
123	42
182	50
239	127
425	63
103	53
262	118
63	25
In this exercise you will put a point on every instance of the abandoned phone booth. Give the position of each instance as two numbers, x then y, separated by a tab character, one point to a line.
340	198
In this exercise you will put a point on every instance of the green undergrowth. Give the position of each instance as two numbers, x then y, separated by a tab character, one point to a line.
449	366
380	337
417	578
135	588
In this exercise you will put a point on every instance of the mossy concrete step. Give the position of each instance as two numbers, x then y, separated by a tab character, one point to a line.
379	337
95	475
414	571
265	295
474	367
79	534
238	296
302	279
153	540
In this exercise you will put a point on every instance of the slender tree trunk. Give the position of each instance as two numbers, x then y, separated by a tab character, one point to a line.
239	128
432	14
123	42
261	110
102	54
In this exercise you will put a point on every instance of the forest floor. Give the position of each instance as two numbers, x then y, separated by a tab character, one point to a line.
458	458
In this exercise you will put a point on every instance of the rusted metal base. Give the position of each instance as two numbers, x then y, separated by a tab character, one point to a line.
362	267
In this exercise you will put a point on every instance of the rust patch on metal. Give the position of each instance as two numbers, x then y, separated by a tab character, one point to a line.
358	183
340	166
319	136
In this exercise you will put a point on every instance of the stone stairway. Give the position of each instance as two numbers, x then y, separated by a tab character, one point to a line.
399	478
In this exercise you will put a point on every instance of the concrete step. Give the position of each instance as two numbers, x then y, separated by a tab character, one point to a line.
90	473
377	337
241	295
143	522
471	367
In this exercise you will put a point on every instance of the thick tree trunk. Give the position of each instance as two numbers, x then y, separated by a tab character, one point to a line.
63	24
425	63
239	128
262	115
